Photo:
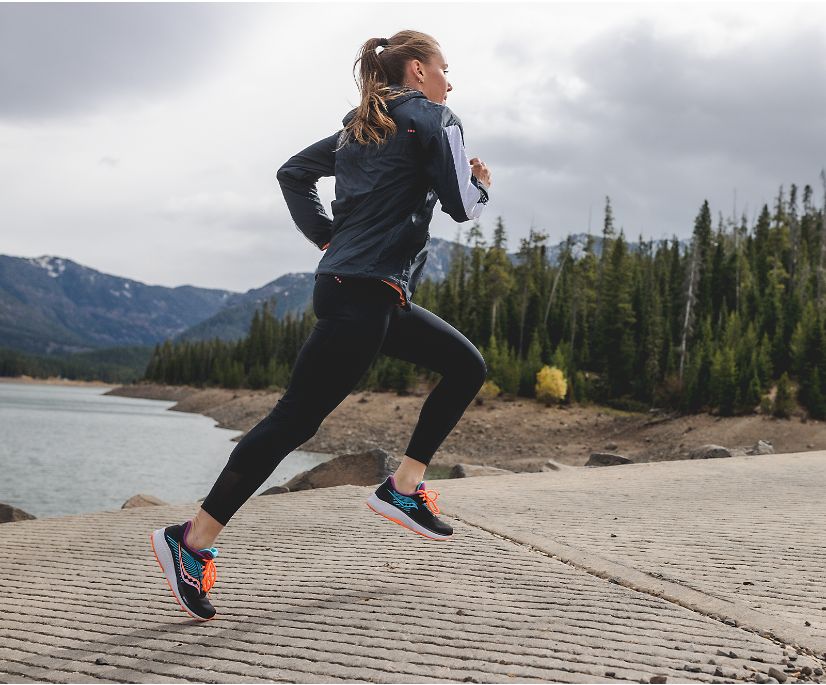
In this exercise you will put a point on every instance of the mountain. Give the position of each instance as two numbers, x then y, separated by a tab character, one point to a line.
53	305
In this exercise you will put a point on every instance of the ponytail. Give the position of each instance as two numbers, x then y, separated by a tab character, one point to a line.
377	72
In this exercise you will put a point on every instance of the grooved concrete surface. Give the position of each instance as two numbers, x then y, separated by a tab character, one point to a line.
314	587
748	530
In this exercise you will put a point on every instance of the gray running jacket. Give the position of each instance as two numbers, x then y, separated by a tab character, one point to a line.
384	193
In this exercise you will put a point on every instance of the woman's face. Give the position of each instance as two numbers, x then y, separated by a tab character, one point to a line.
434	82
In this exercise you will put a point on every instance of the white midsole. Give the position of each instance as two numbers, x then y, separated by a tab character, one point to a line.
168	565
389	510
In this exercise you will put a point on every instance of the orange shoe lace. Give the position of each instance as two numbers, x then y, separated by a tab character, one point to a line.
429	497
210	575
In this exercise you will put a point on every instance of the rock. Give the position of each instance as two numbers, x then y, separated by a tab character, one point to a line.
551	465
778	675
142	501
472	470
359	468
729	654
606	459
762	447
810	446
739	452
709	452
275	490
718	673
610	447
806	670
9	514
658	679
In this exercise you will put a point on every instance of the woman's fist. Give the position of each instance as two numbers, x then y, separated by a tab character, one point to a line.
478	169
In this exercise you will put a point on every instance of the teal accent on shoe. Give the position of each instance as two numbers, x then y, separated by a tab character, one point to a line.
403	501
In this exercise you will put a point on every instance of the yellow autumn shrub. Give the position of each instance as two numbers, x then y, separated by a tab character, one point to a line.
550	385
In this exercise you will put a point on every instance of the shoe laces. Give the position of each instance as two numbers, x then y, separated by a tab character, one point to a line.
208	573
429	497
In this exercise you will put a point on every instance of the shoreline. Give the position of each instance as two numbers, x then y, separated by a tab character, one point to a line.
513	433
54	380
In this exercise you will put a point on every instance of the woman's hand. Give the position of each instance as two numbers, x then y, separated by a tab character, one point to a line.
478	169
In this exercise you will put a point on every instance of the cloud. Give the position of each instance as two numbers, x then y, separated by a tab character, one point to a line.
73	58
659	122
227	208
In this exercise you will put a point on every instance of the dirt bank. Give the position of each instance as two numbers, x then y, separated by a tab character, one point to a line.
519	435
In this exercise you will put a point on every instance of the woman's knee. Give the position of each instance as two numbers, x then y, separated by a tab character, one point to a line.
473	368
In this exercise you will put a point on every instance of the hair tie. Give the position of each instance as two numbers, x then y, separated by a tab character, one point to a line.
380	47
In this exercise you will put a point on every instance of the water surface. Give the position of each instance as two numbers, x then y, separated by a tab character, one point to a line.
71	449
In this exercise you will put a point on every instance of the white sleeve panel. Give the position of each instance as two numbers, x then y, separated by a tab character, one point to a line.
472	197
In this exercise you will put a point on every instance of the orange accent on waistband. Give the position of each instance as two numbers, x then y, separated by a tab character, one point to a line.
397	288
324	247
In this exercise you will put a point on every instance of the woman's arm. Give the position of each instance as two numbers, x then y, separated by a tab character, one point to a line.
461	194
298	177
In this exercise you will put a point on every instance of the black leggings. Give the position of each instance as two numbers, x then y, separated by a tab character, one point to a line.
358	318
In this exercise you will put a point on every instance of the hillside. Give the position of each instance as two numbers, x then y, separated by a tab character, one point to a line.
52	305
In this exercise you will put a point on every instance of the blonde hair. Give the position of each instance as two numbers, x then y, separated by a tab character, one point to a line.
377	72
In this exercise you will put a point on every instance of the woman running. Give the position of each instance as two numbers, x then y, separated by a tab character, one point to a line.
396	153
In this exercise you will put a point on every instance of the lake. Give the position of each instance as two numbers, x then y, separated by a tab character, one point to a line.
71	449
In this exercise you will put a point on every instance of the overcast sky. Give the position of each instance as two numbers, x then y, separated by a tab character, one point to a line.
143	139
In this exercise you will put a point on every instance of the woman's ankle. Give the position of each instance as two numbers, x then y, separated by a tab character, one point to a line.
201	531
408	476
402	486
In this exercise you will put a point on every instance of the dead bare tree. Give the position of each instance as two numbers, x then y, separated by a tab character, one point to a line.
689	301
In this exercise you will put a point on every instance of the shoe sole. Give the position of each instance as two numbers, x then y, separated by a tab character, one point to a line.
393	514
164	558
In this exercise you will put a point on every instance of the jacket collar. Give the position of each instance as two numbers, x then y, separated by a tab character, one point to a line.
404	94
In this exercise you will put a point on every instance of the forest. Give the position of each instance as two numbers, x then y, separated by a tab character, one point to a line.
731	324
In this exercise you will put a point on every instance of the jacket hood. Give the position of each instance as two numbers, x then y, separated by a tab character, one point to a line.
407	94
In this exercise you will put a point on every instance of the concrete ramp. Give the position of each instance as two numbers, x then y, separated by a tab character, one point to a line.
696	571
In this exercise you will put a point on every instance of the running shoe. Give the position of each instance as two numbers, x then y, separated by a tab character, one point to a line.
190	573
416	511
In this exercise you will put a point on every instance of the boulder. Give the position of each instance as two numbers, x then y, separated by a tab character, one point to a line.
552	465
276	490
607	459
472	470
9	514
142	501
762	447
360	468
709	452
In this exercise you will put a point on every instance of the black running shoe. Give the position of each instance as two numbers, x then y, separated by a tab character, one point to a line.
190	573
416	511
